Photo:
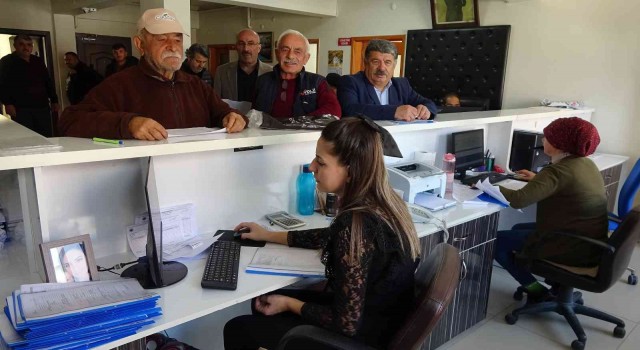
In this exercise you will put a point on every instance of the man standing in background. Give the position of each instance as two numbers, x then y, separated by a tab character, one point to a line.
81	78
26	88
121	60
237	80
196	63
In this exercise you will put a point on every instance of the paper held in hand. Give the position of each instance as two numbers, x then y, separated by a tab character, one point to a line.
492	190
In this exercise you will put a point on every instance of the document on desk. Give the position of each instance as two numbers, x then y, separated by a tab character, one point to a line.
194	131
58	302
286	261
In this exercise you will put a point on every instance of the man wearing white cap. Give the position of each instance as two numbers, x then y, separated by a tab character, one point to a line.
141	102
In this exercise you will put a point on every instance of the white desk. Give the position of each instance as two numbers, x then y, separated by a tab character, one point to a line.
98	189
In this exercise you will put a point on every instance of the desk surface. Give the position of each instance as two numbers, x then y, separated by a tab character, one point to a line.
186	300
80	150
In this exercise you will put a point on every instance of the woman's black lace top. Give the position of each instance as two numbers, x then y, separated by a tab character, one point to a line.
371	294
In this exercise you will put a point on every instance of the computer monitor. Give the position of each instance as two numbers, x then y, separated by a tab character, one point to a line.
468	146
152	272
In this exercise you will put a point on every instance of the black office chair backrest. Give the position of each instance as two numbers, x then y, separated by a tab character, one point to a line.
624	240
437	278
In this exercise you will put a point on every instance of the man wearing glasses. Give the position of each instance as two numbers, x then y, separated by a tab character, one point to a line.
237	80
288	91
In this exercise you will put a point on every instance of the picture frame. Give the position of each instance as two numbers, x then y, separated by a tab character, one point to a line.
69	260
266	51
454	14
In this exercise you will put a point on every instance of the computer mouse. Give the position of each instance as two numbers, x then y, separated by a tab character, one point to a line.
238	234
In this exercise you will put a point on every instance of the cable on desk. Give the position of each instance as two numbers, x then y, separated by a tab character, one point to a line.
116	267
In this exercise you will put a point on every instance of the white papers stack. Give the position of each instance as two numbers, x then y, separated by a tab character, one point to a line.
286	261
433	202
493	191
75	315
179	233
194	131
16	139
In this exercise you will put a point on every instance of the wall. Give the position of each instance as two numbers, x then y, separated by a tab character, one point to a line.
562	50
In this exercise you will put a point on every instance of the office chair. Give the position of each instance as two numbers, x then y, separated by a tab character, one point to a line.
617	252
625	202
437	278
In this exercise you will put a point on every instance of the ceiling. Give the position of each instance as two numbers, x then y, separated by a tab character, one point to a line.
75	7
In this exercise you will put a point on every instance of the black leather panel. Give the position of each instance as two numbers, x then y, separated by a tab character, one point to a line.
469	61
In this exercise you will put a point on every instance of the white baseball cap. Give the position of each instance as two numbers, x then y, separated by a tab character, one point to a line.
160	21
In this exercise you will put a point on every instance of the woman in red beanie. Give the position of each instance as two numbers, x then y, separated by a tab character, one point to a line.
571	197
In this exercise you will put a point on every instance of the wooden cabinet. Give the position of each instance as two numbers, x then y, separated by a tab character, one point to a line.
475	239
611	177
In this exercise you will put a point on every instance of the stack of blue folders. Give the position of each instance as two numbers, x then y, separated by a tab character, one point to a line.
77	315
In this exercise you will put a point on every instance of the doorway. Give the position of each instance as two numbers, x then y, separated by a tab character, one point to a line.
95	50
359	44
220	54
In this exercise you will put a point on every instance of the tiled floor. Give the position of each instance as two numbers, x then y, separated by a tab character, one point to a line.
550	331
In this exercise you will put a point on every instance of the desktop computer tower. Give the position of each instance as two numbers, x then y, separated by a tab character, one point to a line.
527	152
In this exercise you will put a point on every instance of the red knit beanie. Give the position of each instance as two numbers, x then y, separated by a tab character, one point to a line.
574	135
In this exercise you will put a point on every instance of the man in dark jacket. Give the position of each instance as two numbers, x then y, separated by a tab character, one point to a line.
376	94
196	63
26	88
142	102
121	60
81	78
288	91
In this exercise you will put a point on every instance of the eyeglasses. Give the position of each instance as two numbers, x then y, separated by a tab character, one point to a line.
283	94
249	44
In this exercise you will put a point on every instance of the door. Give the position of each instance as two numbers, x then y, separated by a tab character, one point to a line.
359	44
95	50
221	54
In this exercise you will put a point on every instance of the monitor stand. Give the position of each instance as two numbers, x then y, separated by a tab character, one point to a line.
172	272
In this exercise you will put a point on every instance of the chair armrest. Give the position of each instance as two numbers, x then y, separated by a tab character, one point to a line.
316	335
604	246
613	217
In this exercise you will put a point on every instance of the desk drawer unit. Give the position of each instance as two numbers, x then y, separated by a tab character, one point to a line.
611	179
475	239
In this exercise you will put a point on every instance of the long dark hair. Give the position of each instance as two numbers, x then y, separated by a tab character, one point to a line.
358	146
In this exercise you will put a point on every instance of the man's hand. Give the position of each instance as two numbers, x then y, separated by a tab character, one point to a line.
423	112
11	110
406	113
233	122
55	107
143	128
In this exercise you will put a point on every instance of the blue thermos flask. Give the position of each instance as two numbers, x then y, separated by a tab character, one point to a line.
306	186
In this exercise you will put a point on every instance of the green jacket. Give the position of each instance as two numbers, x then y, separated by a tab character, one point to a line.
571	197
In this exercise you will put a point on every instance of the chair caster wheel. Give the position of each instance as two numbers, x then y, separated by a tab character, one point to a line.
632	280
580	301
619	332
577	345
519	293
510	318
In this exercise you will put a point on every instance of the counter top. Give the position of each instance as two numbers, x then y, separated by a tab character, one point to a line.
80	150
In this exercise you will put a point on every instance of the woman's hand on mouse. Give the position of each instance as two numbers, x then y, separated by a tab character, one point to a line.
255	231
525	175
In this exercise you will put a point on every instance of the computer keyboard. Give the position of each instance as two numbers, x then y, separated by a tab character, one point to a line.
221	270
493	178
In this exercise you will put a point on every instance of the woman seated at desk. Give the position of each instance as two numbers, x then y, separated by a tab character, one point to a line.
370	250
571	197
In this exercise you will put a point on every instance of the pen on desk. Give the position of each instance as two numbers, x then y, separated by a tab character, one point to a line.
115	142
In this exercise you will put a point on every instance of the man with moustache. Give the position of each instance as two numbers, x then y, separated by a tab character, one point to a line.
141	102
237	80
196	63
288	91
26	88
376	94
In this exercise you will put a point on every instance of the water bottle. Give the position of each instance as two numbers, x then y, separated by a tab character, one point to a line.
449	167
306	186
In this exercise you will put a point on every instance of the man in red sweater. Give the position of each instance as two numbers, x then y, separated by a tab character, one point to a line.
141	102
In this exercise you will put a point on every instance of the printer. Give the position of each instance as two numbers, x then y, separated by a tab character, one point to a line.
415	177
